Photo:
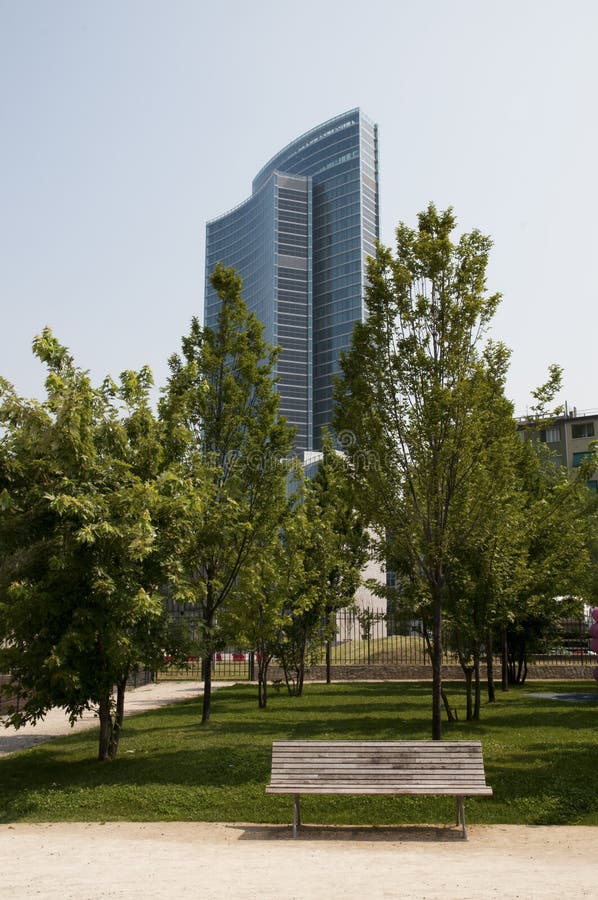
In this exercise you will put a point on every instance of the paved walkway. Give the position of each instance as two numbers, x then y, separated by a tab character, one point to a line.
56	723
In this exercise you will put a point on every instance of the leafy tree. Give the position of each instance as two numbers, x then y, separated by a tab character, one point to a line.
591	592
420	395
486	574
526	559
79	605
339	543
325	548
558	511
261	613
301	637
227	446
278	608
489	562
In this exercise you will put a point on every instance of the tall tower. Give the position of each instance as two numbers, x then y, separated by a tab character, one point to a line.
300	243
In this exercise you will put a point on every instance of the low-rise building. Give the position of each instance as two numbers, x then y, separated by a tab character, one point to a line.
570	437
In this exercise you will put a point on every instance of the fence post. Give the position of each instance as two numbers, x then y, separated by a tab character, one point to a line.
251	666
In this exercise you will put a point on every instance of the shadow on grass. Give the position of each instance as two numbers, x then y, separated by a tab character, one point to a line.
554	715
354	714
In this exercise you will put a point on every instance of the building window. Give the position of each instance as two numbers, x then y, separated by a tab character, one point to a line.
582	430
550	435
593	486
578	458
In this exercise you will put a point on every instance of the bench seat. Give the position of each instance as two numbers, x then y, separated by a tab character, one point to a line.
378	767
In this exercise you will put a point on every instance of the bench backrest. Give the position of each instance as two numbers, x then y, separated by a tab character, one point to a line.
379	766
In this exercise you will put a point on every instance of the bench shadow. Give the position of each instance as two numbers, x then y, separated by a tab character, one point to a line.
429	834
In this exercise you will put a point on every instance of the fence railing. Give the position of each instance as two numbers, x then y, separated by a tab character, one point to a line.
372	638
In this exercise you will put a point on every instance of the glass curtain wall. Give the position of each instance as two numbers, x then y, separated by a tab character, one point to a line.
303	259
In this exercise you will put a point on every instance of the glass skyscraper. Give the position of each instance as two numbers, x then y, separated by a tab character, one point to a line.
300	243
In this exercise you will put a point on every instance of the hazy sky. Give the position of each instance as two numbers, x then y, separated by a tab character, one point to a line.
126	124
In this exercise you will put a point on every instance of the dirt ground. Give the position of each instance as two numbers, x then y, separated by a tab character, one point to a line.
138	700
209	861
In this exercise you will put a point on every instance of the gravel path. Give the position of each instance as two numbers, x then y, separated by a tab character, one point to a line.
165	860
56	723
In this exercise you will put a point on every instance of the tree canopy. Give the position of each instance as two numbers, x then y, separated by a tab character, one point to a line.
79	605
227	447
420	402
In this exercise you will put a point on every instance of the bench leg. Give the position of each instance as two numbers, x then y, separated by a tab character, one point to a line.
461	816
296	813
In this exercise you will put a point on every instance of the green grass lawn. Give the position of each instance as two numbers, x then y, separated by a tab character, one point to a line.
540	759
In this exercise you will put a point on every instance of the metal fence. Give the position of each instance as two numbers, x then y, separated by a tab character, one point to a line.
373	638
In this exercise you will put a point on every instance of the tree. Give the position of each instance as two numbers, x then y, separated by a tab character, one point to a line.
558	511
420	398
486	574
339	542
227	446
324	548
261	613
79	603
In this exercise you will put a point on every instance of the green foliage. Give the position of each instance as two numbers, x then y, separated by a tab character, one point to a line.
420	401
332	543
226	448
260	613
482	529
339	545
79	606
539	757
311	568
559	524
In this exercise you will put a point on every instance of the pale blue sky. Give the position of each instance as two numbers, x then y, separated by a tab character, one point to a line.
126	124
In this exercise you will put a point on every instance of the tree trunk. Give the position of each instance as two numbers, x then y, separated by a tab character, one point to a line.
437	666
301	664
207	688
477	699
300	676
262	685
293	662
286	669
468	672
490	669
449	713
522	667
121	688
105	714
504	661
290	669
208	659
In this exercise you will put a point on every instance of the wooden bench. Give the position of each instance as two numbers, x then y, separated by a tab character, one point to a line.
378	767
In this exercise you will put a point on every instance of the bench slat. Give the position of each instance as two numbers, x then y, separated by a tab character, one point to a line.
369	790
387	778
383	744
358	766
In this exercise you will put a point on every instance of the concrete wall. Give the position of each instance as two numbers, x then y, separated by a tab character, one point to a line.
574	671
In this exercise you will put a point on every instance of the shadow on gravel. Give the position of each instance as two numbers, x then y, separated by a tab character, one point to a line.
430	834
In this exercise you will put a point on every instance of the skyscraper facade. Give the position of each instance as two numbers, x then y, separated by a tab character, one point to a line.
300	243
